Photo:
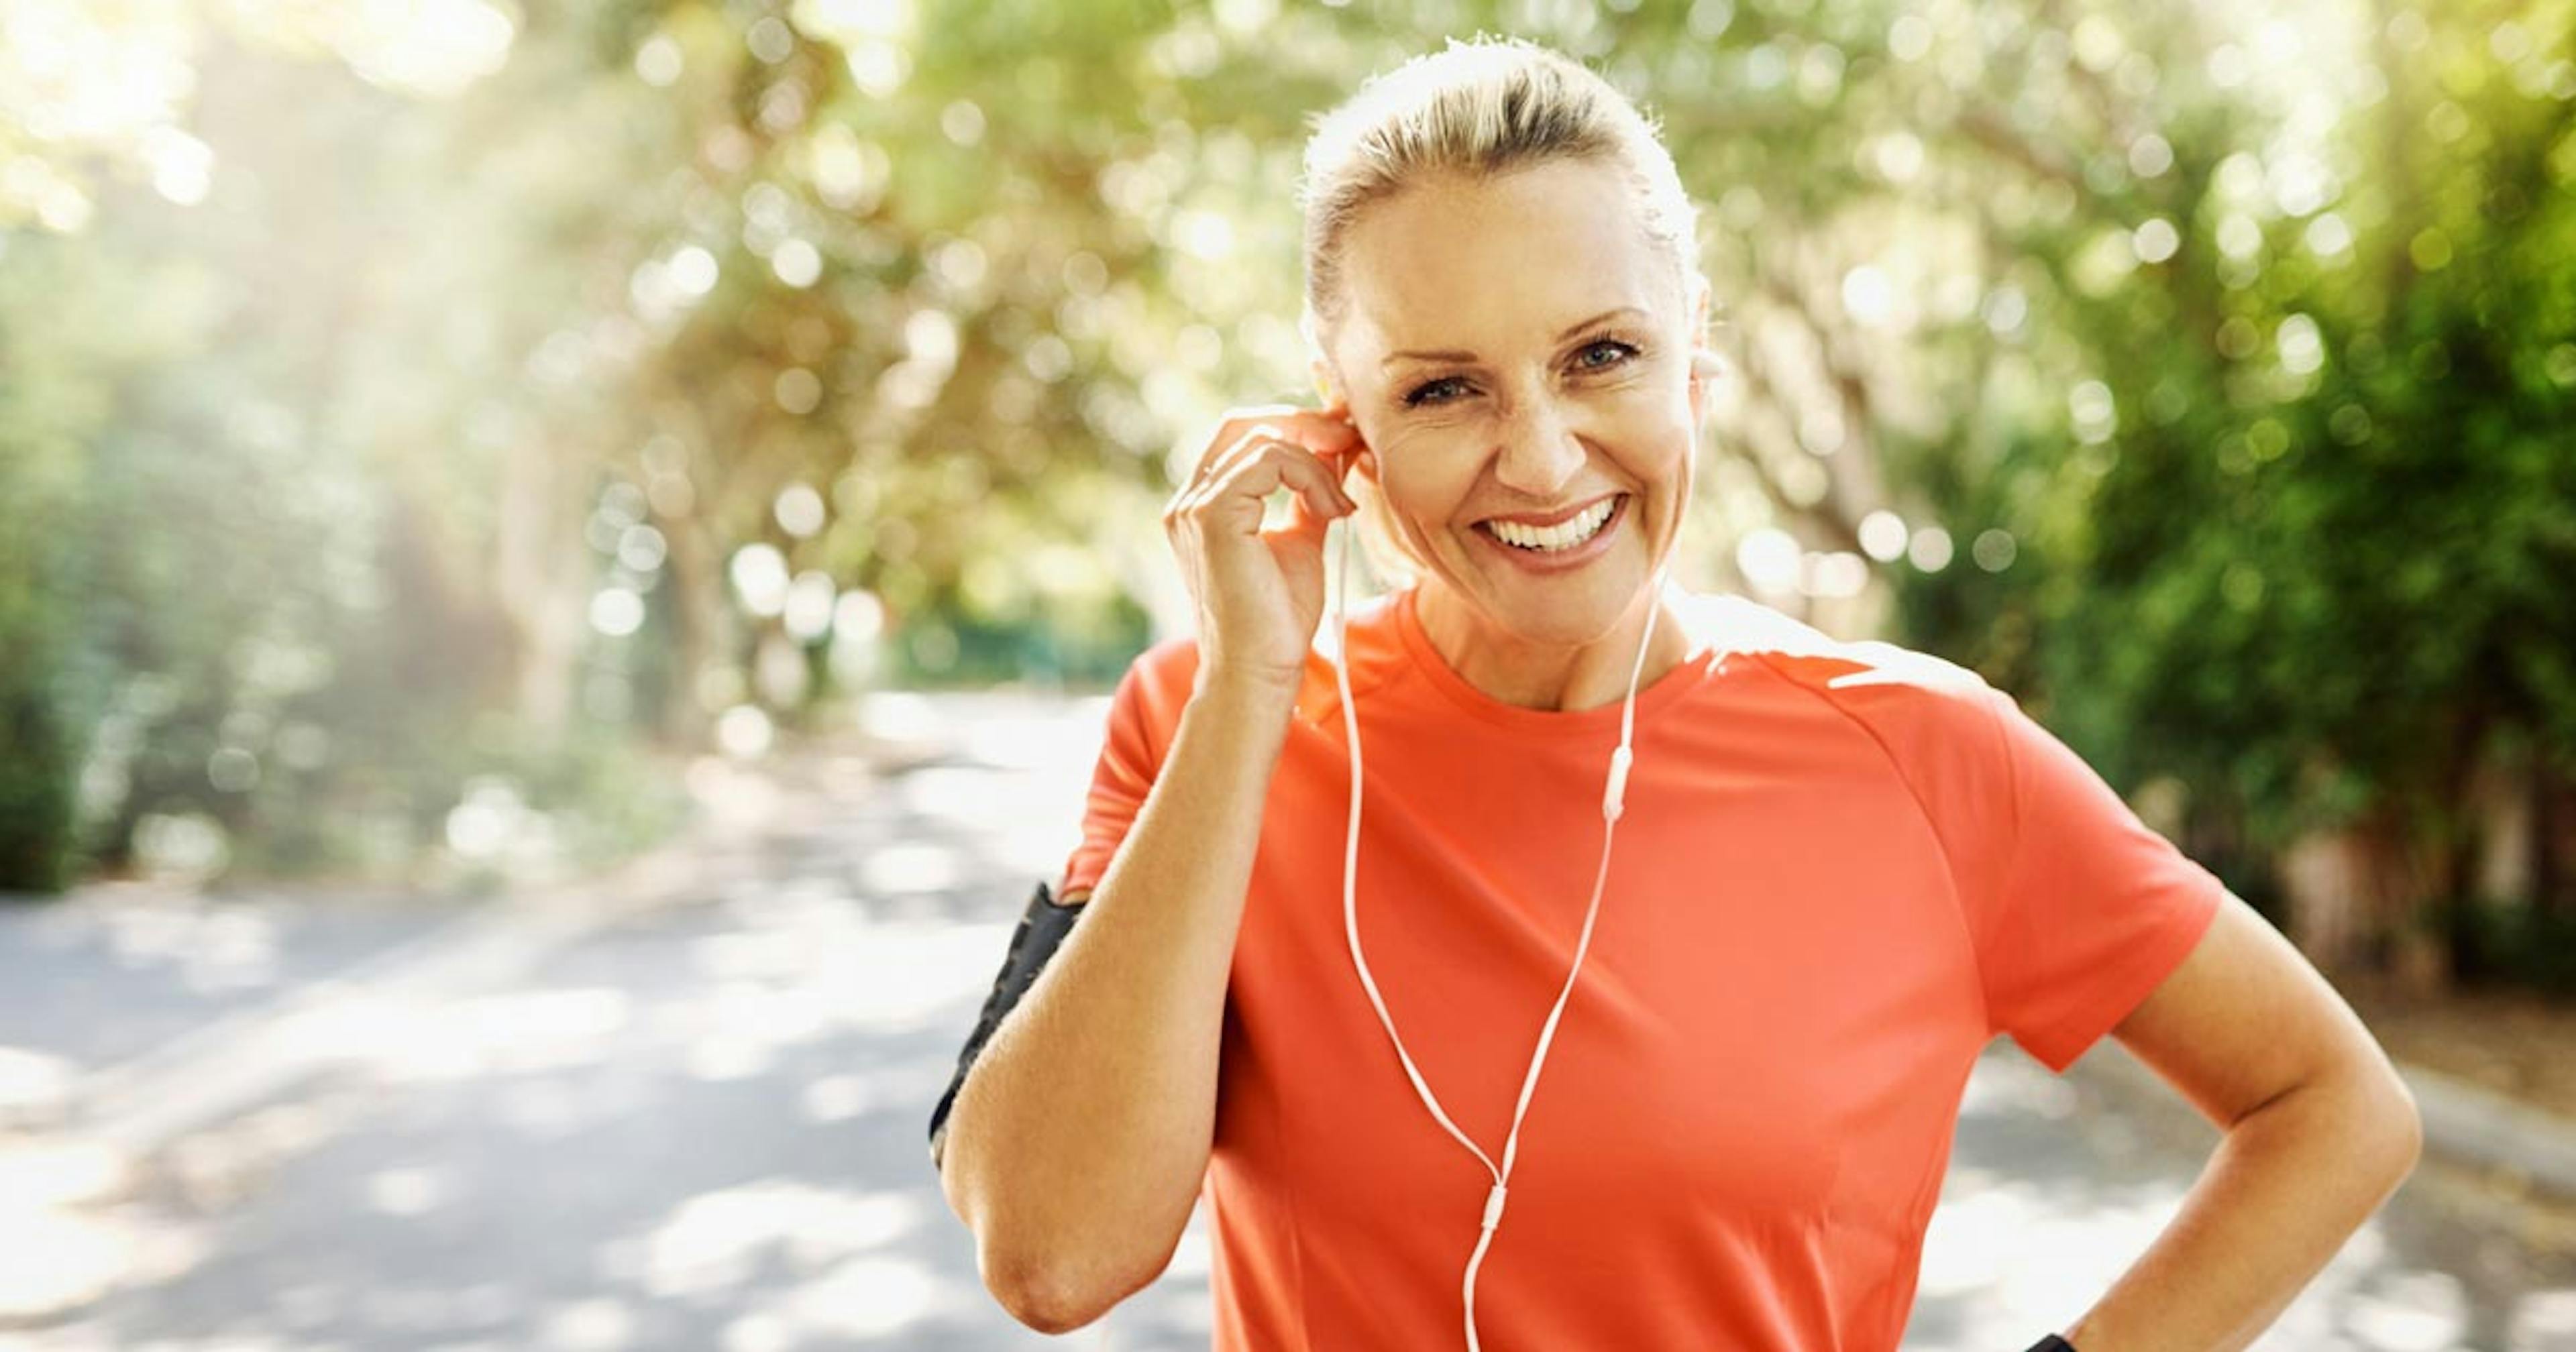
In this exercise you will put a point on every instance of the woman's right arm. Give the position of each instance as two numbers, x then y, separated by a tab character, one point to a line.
1078	1142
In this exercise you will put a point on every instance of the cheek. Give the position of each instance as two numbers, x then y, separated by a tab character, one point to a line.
1651	445
1410	490
1416	468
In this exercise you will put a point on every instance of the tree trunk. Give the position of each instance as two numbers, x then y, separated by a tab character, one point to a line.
540	563
701	623
2358	899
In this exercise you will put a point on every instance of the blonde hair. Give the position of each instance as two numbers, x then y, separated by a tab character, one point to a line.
1477	109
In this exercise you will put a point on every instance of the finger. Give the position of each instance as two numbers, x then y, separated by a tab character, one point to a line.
1344	456
1306	522
1342	461
1264	442
1253	441
1338	459
1318	431
1270	465
1330	425
1339	433
1311	483
1220	469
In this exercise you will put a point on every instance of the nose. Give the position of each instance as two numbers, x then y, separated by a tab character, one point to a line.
1539	453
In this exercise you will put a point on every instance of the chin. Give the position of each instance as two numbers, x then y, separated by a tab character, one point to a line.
1567	611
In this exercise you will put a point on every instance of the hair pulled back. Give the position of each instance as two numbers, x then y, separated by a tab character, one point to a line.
1477	109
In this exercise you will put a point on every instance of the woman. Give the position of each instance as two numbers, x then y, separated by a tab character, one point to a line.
1672	1068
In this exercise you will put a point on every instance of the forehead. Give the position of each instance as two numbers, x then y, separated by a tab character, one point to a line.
1500	262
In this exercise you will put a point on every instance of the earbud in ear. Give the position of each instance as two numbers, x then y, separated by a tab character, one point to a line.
1325	391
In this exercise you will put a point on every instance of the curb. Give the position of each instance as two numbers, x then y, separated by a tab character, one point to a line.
2475	1124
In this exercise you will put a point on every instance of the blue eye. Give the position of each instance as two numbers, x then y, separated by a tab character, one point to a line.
1416	398
1621	353
1623	349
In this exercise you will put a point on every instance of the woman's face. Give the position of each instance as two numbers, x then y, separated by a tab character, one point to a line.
1518	346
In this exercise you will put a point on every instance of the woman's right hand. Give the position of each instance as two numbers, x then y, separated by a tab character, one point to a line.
1260	594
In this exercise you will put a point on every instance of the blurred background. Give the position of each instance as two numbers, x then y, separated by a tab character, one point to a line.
559	561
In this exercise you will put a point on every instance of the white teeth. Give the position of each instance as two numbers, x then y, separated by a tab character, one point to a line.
1564	535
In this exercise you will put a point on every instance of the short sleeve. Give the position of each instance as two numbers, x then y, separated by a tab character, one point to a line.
2090	910
1143	714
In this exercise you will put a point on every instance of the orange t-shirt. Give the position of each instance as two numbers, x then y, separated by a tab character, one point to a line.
1823	901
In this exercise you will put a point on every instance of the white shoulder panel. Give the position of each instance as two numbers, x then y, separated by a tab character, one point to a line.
1730	623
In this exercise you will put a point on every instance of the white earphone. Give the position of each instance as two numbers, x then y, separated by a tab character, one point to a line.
1613	803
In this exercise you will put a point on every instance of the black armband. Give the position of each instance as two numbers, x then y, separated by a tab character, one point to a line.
1041	931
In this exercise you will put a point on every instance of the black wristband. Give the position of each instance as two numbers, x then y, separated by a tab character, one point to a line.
2052	1343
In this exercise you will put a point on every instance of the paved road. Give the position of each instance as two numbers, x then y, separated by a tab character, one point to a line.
683	1109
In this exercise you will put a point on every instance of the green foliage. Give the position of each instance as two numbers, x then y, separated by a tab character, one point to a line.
493	426
2323	573
37	796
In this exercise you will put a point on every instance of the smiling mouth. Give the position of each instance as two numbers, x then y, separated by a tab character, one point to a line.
1571	533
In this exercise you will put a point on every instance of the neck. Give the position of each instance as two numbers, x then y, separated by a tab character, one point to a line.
1558	678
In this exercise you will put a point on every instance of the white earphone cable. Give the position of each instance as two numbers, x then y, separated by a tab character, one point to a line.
1613	804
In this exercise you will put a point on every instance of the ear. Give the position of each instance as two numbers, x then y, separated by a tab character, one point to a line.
1705	365
1325	388
1336	400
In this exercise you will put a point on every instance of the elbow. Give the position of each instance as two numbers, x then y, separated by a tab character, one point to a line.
1050	1298
2368	1121
1057	1263
1045	1294
2407	1123
2386	1130
1058	1286
1041	1301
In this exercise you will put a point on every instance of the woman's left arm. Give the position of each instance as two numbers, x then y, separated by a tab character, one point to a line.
2320	1130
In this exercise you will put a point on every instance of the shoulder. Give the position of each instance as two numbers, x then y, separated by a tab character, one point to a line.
1914	702
1937	727
1799	652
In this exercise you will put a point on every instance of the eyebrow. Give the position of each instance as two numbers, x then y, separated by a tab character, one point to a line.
1451	355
